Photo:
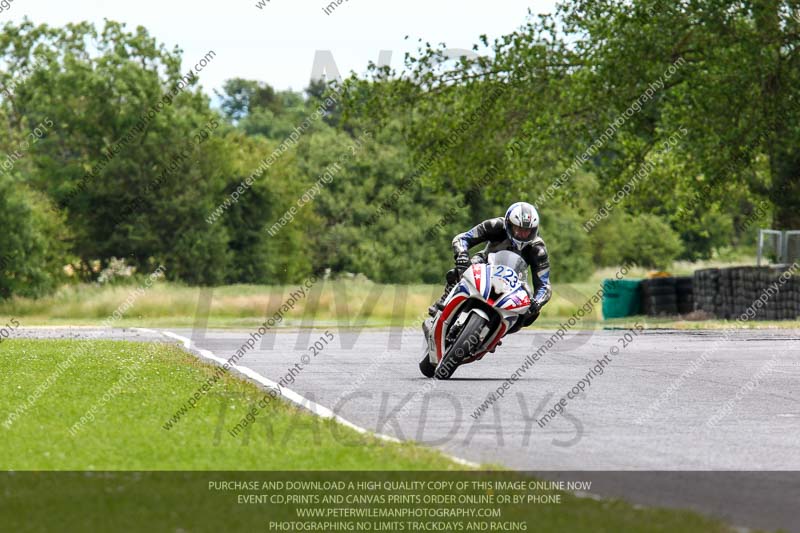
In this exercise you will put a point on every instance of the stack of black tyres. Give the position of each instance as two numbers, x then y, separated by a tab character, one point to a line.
748	293
706	291
786	305
684	291
725	290
659	297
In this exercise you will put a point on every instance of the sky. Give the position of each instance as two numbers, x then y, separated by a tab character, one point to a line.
278	42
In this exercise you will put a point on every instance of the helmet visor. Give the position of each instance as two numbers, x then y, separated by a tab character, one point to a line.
521	234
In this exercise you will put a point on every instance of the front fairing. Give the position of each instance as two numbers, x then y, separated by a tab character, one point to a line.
499	286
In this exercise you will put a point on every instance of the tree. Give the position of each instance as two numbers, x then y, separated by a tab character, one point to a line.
130	157
736	92
32	249
599	87
241	97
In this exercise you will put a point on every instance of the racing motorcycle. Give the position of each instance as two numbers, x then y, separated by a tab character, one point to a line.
485	303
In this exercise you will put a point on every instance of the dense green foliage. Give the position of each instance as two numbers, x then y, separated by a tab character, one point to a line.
31	247
114	150
705	91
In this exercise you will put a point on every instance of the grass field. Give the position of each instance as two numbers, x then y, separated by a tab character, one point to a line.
127	433
340	303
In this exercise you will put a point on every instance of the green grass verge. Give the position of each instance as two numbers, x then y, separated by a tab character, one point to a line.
127	434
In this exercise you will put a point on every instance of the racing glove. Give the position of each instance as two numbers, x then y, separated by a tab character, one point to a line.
535	307
462	262
532	314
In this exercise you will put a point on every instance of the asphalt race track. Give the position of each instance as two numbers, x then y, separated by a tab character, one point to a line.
648	411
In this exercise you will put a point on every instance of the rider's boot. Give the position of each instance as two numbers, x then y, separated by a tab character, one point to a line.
427	324
439	304
452	279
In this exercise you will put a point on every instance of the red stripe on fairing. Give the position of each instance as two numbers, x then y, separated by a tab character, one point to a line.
476	274
437	332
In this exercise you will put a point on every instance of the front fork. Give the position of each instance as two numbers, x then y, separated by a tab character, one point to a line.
452	332
428	346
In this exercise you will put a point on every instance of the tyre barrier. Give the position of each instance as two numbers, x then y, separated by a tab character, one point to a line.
659	296
753	292
684	290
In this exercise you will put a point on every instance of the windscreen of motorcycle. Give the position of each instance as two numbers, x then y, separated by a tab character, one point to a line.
511	260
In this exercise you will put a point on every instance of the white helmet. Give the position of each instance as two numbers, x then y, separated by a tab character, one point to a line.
522	224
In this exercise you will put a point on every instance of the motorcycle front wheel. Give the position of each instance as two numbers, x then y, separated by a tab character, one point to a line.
463	347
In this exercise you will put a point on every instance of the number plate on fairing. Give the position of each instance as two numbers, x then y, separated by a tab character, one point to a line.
505	273
515	296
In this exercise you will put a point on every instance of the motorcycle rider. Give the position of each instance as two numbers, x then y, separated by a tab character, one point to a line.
517	231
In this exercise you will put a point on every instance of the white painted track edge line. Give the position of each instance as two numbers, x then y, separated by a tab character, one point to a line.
324	412
289	394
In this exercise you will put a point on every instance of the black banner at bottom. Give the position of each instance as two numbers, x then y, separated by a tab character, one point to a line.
397	501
